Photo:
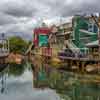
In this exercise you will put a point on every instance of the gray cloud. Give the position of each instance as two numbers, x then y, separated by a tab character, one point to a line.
30	8
19	15
6	19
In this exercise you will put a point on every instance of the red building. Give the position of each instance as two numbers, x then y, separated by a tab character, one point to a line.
40	31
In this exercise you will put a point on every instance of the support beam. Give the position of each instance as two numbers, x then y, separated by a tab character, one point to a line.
83	66
71	63
78	65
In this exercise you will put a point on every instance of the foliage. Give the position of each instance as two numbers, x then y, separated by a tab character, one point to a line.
17	44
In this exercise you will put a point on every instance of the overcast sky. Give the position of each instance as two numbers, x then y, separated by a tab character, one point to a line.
22	15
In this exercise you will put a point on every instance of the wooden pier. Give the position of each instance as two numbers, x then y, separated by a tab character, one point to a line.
80	64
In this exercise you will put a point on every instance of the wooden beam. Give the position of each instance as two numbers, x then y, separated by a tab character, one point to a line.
83	67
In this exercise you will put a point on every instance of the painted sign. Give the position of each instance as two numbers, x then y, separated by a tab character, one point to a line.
41	36
43	40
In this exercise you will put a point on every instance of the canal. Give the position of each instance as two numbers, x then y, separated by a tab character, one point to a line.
16	83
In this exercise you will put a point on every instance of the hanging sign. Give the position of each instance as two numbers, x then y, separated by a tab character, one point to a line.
43	40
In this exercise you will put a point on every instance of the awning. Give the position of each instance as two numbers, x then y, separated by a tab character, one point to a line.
94	43
89	33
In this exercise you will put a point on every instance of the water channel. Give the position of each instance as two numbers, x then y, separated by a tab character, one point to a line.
16	83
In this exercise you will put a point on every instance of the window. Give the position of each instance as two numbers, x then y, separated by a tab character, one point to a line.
91	27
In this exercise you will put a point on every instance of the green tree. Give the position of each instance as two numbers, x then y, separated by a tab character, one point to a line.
17	44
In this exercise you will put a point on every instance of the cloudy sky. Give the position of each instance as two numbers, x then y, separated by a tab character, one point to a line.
21	16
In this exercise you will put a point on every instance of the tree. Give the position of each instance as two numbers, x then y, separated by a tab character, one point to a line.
17	44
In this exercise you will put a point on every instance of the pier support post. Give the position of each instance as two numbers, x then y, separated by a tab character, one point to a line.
78	65
98	67
71	63
83	67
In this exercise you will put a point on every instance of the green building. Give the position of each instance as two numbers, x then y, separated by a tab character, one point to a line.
84	31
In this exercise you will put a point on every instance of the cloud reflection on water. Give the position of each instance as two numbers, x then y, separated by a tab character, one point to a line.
20	88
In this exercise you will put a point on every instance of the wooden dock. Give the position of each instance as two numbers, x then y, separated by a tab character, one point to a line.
79	58
82	64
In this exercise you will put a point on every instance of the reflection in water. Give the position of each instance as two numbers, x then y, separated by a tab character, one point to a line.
3	82
19	87
78	87
16	84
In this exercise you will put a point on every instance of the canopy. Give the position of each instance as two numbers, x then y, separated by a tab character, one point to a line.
87	32
94	43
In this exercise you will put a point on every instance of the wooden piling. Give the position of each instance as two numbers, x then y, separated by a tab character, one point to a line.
78	65
83	66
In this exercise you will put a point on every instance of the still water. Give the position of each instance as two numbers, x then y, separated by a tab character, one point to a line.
18	85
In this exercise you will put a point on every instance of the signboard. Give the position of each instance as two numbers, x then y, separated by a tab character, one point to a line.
43	40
